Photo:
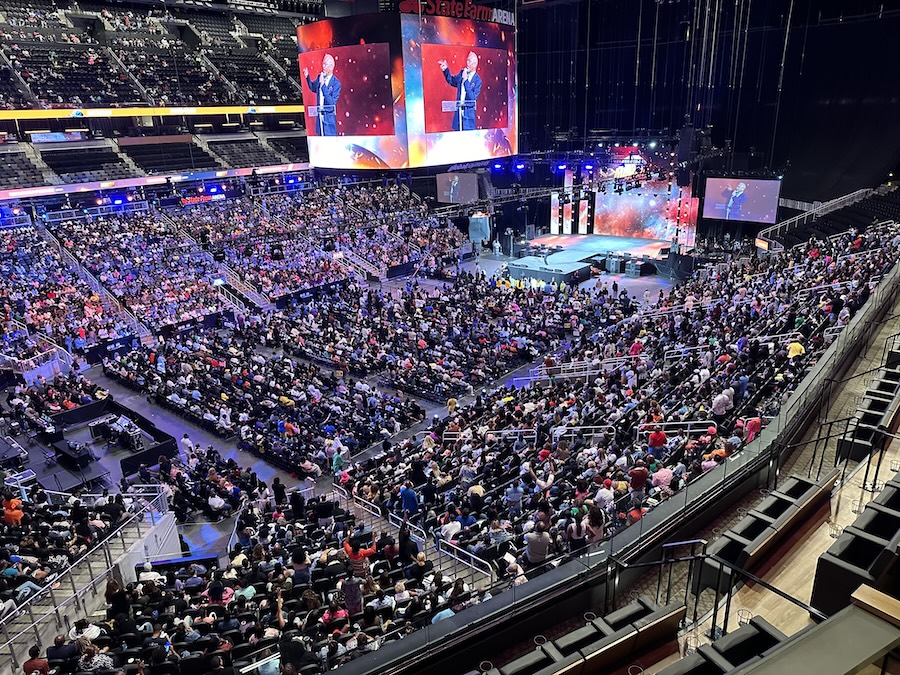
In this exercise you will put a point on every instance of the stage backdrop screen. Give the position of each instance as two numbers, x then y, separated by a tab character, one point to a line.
647	212
744	199
355	114
457	188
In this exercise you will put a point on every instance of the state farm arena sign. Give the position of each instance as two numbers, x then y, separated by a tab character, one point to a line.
458	9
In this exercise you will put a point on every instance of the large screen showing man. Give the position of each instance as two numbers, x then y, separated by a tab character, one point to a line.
468	86
749	200
327	88
457	188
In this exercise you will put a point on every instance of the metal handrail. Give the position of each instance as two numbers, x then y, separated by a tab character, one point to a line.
564	432
233	537
773	231
416	532
466	558
22	638
688	427
158	504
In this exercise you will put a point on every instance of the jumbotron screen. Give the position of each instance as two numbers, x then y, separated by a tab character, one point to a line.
461	91
404	91
743	199
351	70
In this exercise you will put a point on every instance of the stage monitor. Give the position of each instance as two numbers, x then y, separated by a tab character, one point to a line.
746	200
457	188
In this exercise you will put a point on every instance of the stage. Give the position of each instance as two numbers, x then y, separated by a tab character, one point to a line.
579	252
577	247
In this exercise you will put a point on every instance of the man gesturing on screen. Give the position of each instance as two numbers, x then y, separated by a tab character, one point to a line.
468	86
327	89
734	201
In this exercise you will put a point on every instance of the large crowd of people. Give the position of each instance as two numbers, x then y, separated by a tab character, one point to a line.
40	290
431	341
520	477
161	277
555	467
284	410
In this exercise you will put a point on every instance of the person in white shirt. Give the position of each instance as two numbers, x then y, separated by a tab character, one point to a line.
149	574
218	505
381	601
187	445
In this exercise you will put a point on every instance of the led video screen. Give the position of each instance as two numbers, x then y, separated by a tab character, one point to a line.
648	212
403	91
441	92
354	98
347	91
461	93
457	188
742	199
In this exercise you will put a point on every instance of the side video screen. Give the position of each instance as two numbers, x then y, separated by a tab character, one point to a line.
745	199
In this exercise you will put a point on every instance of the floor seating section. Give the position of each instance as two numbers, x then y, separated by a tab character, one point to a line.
864	553
762	529
602	644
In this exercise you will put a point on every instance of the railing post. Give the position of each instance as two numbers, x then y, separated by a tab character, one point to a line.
87	561
713	632
55	607
37	633
78	602
727	609
107	555
12	652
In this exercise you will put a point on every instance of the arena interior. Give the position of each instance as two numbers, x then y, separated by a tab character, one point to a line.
477	338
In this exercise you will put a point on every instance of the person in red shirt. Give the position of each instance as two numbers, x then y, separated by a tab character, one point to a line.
638	475
36	664
657	440
358	556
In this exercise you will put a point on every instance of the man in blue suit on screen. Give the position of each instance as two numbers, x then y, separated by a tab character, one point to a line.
468	86
734	201
327	89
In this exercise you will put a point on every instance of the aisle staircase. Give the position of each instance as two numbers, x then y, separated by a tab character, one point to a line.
452	561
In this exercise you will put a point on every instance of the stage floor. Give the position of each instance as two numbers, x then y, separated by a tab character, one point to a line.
581	246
